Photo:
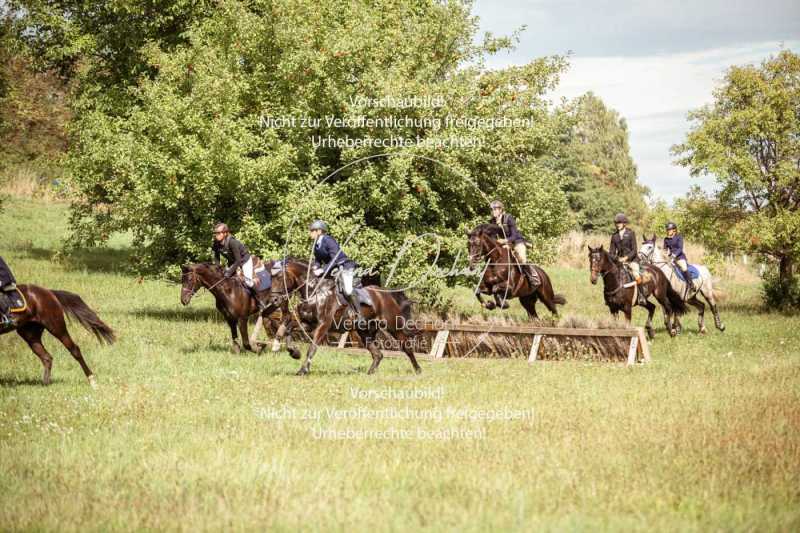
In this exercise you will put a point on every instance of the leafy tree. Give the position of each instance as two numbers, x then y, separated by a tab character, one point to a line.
601	177
749	139
192	150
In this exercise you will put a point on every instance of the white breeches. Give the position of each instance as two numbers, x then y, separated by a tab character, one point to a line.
247	272
346	280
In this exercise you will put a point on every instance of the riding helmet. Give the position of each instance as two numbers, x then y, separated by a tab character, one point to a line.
620	218
671	225
320	225
221	227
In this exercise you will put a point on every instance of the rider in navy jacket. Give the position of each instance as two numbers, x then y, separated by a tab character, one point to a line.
674	243
7	284
328	255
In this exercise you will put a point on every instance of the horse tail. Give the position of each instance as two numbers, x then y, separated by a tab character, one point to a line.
75	307
676	301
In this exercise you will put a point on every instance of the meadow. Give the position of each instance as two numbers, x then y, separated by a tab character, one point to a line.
183	435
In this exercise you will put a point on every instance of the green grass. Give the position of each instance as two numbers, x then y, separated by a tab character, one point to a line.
175	437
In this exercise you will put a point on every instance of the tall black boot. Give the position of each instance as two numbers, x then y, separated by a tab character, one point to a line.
355	305
6	321
532	277
690	286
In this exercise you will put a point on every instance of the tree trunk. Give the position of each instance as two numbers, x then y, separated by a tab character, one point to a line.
786	270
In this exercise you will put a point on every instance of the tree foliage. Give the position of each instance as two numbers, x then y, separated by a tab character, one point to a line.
749	140
601	178
169	139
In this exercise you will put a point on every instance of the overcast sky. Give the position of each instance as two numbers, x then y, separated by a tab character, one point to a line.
652	61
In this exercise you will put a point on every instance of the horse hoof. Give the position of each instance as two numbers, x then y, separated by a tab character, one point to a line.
294	354
235	349
489	306
722	327
703	331
276	346
302	371
418	370
673	333
504	306
92	382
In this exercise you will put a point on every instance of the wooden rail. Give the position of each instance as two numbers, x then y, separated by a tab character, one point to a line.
442	330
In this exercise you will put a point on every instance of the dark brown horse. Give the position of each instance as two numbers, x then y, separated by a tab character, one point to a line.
620	298
320	305
503	279
45	310
233	299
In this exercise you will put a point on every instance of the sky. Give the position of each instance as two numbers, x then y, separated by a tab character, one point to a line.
650	61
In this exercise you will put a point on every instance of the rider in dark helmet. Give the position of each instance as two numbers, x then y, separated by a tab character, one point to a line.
623	247
512	237
674	243
237	256
7	284
330	260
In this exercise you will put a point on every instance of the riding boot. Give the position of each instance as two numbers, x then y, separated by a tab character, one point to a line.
532	277
641	292
690	287
355	306
261	305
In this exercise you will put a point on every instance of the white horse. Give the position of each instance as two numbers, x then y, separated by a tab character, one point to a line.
651	253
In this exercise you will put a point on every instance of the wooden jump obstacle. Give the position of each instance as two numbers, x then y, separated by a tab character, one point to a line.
441	333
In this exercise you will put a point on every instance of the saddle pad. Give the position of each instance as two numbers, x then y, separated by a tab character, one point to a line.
263	280
363	296
693	272
16	301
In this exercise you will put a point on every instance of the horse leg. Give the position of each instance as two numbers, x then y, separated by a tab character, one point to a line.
408	348
485	305
651	310
701	310
245	337
235	348
320	334
529	303
369	340
32	334
708	294
628	310
257	347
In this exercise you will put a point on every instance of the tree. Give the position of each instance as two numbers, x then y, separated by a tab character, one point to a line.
188	147
600	175
749	140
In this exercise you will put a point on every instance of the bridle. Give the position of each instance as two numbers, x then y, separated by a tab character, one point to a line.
197	284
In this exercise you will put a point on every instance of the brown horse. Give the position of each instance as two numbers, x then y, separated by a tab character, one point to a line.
503	279
620	298
320	304
45	310
233	299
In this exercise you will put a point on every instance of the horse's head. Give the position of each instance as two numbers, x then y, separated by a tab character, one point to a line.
196	276
598	262
290	278
648	249
190	283
481	241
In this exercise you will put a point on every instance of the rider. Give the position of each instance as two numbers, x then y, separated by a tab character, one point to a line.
513	237
237	256
330	260
623	247
7	284
674	243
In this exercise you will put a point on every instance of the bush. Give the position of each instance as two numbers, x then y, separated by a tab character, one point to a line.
784	296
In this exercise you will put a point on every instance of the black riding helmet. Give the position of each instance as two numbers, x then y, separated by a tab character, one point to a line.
671	225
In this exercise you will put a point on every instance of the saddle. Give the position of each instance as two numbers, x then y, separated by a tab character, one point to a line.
16	300
362	294
261	275
694	273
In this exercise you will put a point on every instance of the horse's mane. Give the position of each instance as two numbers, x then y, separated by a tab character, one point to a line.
492	230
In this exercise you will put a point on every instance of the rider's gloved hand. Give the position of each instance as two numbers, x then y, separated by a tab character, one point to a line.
318	271
228	272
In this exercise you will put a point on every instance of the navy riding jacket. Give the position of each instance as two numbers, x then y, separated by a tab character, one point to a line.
6	277
509	225
328	255
675	246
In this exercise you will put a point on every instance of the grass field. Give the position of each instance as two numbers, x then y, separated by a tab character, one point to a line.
180	434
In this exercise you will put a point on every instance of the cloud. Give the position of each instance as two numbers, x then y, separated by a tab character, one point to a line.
651	60
654	94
